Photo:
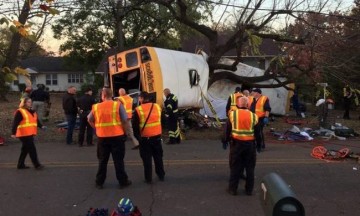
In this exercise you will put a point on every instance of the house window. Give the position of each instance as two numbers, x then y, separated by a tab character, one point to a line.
75	78
51	79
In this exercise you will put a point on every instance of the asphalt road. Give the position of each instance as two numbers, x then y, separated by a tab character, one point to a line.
196	178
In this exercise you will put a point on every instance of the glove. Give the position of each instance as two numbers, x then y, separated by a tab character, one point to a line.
266	120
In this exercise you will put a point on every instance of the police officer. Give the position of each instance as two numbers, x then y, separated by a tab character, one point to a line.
261	107
127	102
25	127
147	128
109	118
231	103
85	103
240	131
171	112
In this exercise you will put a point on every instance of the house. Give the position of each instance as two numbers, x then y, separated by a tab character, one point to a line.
53	72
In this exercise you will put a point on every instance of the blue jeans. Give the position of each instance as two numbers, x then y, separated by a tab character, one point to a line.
71	119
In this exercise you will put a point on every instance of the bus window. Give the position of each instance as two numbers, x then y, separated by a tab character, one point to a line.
194	78
131	59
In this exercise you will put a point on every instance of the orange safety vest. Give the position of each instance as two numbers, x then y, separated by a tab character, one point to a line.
127	102
233	98
259	108
243	122
28	125
107	119
251	99
153	125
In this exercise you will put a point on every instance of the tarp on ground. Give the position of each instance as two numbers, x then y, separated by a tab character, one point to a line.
219	92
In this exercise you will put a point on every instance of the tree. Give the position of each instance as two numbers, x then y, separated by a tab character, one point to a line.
251	21
21	28
92	27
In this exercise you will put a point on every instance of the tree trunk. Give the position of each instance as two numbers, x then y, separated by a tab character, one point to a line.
119	26
12	53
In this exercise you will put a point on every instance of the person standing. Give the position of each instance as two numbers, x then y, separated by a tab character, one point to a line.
231	103
109	118
39	97
347	102
70	109
25	127
261	107
240	133
84	104
171	112
147	127
127	102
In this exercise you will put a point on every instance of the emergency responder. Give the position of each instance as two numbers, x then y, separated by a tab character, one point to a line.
39	97
109	120
247	94
84	104
261	107
171	112
25	127
147	128
127	102
347	102
231	103
240	133
70	110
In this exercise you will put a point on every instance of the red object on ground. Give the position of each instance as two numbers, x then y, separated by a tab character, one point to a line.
2	141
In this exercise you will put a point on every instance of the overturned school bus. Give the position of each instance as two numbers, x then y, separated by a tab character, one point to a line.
154	69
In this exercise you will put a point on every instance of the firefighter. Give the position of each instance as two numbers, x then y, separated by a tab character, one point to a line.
261	107
171	112
127	102
25	126
109	118
240	131
231	103
147	128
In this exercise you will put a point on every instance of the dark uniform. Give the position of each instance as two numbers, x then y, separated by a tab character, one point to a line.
108	118
85	103
147	129
240	131
171	109
259	106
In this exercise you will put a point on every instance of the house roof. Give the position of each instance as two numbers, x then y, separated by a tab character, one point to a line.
101	66
48	64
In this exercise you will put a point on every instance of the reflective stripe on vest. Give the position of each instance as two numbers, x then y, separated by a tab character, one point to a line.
259	108
251	99
243	123
28	125
233	98
153	125
107	119
127	102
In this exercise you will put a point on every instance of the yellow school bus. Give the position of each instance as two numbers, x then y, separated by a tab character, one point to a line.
153	69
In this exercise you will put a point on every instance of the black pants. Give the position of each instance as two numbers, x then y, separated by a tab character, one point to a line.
259	135
242	156
28	147
115	146
151	148
174	130
85	126
347	110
